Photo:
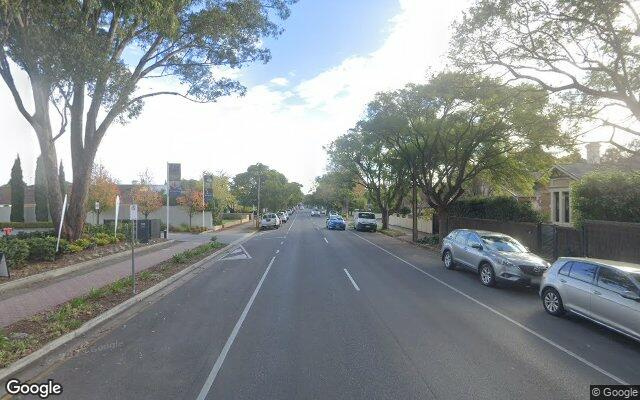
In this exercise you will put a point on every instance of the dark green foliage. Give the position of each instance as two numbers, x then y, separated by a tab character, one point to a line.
16	252
26	225
40	191
17	192
501	208
607	196
42	249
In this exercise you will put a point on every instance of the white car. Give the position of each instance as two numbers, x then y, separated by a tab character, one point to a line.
314	213
365	221
269	221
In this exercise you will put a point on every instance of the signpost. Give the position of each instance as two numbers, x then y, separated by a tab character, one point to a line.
174	175
97	208
207	192
115	229
133	216
64	207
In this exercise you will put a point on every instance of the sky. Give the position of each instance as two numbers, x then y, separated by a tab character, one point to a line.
332	58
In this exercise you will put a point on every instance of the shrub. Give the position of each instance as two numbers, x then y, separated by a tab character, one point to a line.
84	243
502	208
42	249
102	242
608	196
16	251
64	246
26	225
74	248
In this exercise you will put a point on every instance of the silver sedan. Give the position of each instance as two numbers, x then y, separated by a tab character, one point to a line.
603	291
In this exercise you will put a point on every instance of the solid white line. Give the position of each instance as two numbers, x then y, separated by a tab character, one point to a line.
225	350
292	222
325	239
498	313
277	251
281	243
351	279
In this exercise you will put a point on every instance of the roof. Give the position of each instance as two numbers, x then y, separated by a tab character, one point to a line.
621	265
576	170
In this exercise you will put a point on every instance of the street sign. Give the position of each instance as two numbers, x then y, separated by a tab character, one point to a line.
174	172
133	212
97	205
207	187
4	270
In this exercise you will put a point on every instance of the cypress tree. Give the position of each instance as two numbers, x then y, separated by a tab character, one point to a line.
40	191
17	192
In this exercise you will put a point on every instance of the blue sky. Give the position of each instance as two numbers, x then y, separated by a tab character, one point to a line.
332	59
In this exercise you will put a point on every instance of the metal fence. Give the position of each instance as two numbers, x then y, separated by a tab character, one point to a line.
597	239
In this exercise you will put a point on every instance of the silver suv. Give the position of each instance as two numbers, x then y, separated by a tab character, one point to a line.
494	256
603	291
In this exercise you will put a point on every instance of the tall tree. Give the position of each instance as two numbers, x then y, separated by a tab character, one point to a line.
374	166
92	59
465	125
103	190
585	50
142	194
17	192
192	202
40	192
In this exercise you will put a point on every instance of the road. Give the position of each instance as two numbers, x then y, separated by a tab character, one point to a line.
306	313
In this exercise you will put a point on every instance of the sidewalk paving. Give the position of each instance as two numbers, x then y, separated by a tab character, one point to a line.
49	294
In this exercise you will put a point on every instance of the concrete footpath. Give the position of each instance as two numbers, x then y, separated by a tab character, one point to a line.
48	294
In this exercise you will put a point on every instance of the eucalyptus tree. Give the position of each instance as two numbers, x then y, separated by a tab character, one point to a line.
586	51
462	126
374	165
91	63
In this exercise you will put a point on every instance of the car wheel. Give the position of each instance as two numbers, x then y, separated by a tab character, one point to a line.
448	260
552	302
487	276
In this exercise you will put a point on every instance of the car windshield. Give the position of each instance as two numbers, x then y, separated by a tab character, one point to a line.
503	243
367	215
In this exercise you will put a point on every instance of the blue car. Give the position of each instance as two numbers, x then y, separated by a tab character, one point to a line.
336	222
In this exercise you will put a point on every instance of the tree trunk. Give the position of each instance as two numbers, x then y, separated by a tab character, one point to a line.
443	223
385	218
77	212
50	167
414	212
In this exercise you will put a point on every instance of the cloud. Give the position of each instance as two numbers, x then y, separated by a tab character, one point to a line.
282	126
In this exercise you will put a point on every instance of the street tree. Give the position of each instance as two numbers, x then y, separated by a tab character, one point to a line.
17	192
103	190
40	192
92	62
374	165
465	125
586	51
191	201
142	194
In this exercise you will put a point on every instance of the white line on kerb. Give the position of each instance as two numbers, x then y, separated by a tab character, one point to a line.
351	279
223	354
325	239
498	313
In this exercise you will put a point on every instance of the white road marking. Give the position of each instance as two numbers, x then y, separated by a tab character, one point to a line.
325	239
292	222
281	243
277	251
351	279
225	350
498	313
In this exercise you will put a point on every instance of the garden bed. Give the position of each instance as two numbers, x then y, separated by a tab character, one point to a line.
26	336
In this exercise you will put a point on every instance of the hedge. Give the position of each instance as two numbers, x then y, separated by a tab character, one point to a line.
607	196
502	208
26	225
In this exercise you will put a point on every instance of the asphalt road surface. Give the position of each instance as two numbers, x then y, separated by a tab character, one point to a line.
305	313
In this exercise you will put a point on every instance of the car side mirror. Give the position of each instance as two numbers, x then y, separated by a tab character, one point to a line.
628	294
477	246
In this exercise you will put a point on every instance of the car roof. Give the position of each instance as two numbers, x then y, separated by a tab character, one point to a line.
619	265
483	232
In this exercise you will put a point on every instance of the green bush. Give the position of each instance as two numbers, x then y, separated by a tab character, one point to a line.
42	249
74	248
502	208
26	225
84	243
102	242
16	251
607	196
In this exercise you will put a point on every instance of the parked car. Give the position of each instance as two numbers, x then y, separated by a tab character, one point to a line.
496	257
269	221
315	213
603	291
365	221
283	216
336	222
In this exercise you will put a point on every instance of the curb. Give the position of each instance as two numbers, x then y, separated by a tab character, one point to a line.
223	227
46	349
43	276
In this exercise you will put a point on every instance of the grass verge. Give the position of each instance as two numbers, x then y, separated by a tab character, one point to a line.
391	232
25	336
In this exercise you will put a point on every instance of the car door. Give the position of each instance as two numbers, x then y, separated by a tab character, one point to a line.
458	247
473	254
578	286
610	307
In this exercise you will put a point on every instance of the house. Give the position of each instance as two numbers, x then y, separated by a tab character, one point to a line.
29	203
554	198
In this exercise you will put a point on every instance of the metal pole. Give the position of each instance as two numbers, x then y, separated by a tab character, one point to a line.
203	200
133	263
167	208
258	214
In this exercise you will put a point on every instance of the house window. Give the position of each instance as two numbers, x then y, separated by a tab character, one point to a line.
566	206
556	206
